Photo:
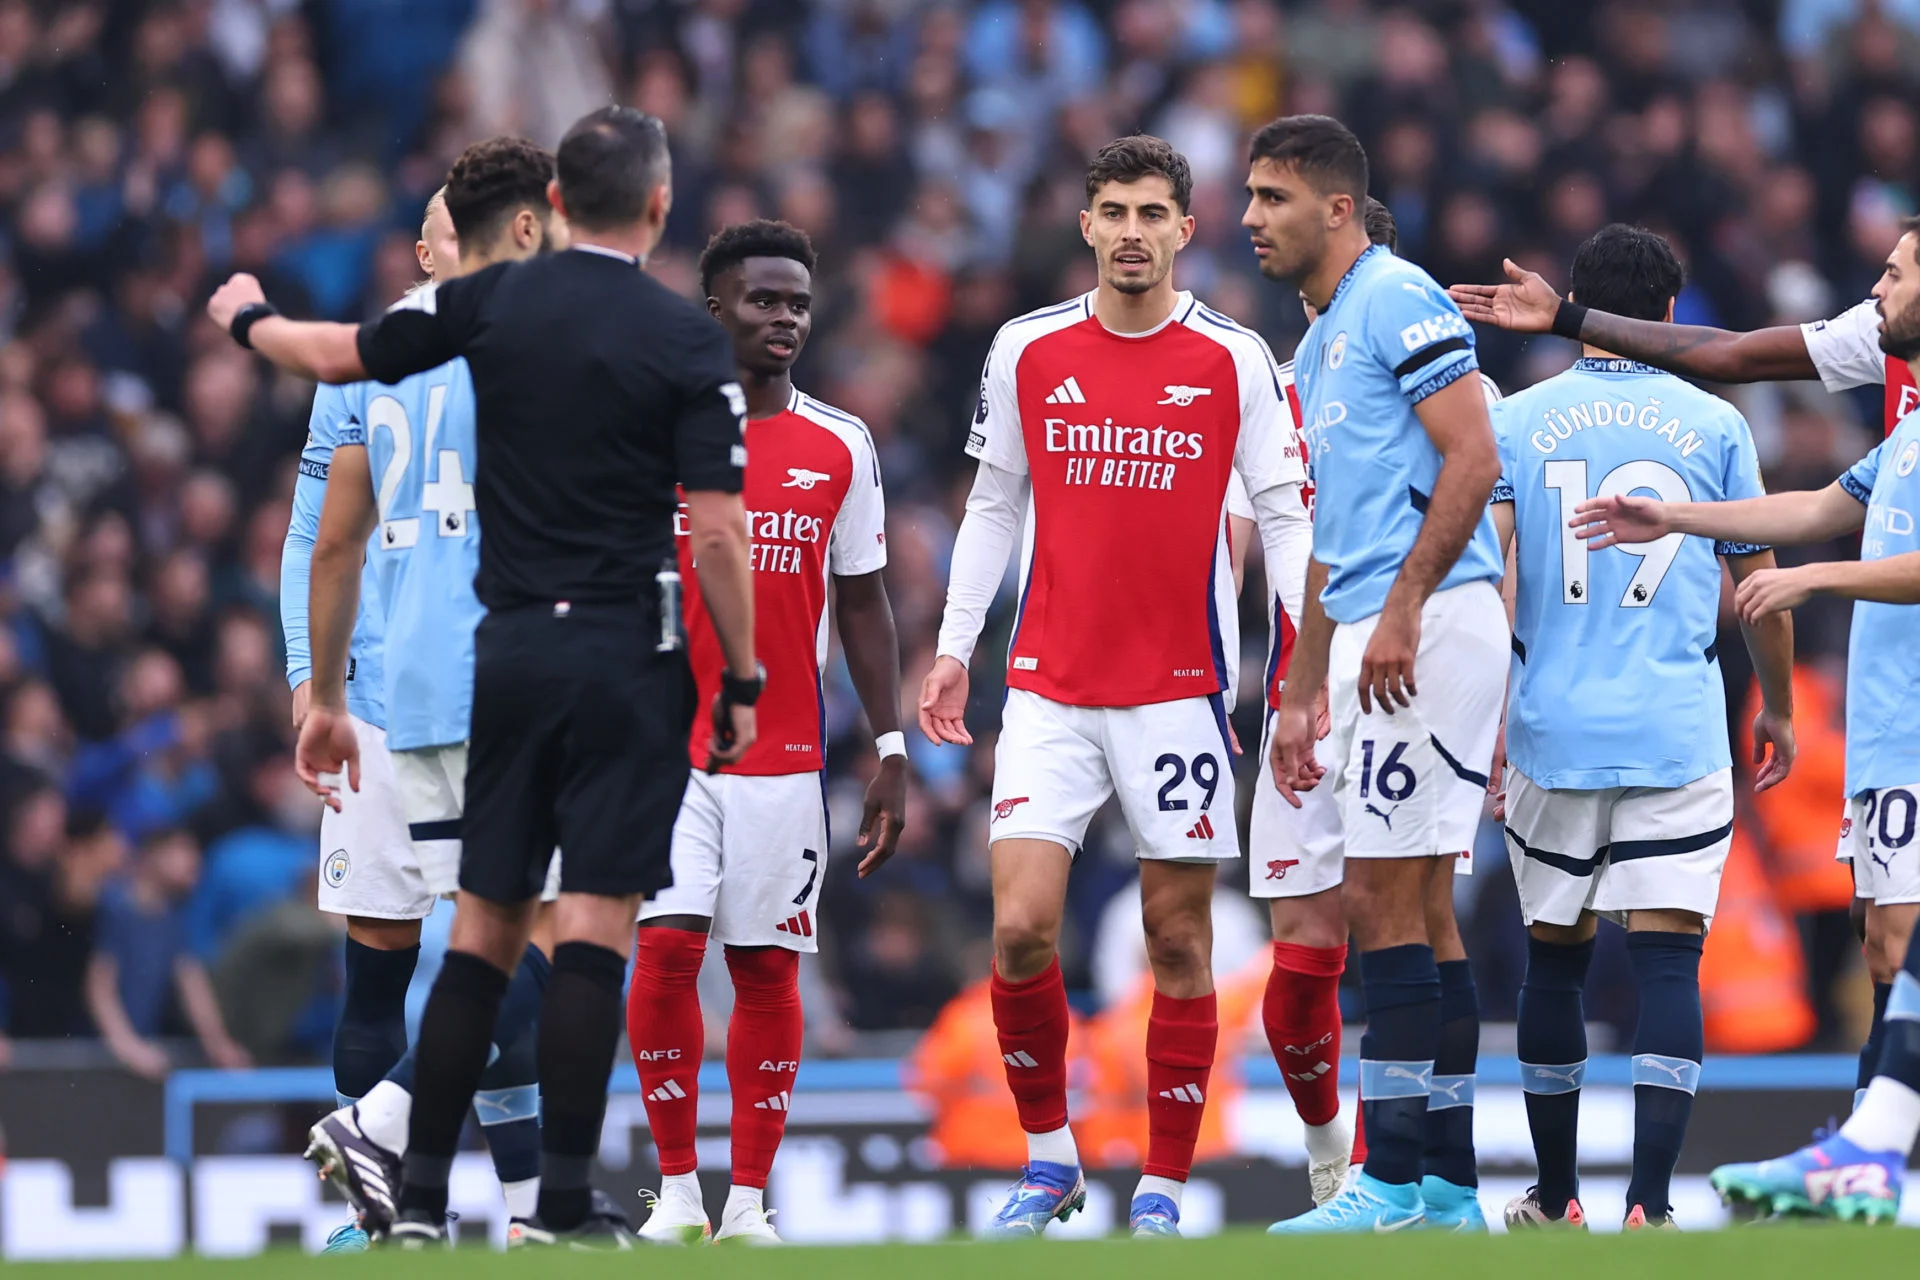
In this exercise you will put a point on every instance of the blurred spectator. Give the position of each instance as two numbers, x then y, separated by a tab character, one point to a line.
54	886
268	851
275	968
141	981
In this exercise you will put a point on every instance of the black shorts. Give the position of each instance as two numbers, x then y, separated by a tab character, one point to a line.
579	741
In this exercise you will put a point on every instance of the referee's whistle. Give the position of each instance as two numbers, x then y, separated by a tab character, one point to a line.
668	580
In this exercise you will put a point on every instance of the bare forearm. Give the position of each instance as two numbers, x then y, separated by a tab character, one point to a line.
199	1003
1778	519
721	562
333	602
872	645
103	1002
1458	504
1714	355
314	349
1770	643
1894	580
1307	668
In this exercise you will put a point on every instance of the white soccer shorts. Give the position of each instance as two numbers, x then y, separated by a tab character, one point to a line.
1168	762
749	853
367	862
1618	850
1413	784
433	795
1291	852
1877	835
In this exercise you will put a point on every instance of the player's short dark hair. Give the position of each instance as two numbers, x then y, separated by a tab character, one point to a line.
1381	228
1908	226
1320	148
1629	271
760	238
493	180
609	164
1138	156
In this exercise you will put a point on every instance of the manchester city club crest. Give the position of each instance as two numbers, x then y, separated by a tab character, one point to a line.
336	868
1908	457
1337	350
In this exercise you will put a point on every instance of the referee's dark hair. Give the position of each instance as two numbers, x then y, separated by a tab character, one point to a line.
610	163
760	238
1321	149
1381	228
493	180
1629	271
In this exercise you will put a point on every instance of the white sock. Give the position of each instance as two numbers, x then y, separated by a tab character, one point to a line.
523	1197
1328	1142
684	1187
384	1114
744	1202
1887	1119
1055	1148
1153	1186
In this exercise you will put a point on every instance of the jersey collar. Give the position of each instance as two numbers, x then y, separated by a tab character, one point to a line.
605	252
1365	253
1611	364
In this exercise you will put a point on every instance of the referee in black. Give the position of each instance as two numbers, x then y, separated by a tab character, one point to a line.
597	391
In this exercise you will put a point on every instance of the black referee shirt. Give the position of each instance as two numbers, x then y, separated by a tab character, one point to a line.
597	390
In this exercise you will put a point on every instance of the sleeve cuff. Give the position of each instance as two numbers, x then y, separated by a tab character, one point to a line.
1740	548
1502	492
1444	378
1860	493
297	676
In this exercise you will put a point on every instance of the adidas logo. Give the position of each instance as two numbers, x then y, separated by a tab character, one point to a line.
1313	1073
1067	392
1019	1058
782	1101
1201	830
1184	1093
668	1092
800	924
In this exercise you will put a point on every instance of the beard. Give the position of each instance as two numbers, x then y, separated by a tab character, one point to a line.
1900	334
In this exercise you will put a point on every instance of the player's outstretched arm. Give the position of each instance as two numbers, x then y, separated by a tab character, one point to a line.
717	532
1769	639
1528	304
1778	519
995	507
316	350
1894	580
864	616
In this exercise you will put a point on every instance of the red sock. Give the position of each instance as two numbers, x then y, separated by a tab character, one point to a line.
665	1031
1302	1015
1359	1138
1031	1019
1180	1043
763	1055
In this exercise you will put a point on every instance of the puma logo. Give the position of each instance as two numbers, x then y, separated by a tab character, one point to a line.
1451	1090
1386	817
1548	1073
1423	1078
1678	1074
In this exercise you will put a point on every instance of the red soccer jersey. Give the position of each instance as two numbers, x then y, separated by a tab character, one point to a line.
1903	397
1126	586
814	506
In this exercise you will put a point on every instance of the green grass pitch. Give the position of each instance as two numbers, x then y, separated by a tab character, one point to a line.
1753	1253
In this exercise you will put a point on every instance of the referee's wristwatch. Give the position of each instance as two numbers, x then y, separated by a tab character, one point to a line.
737	692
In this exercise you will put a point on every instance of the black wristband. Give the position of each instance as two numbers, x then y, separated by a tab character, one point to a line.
1568	319
742	693
245	318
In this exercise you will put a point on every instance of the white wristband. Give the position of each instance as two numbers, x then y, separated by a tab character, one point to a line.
891	744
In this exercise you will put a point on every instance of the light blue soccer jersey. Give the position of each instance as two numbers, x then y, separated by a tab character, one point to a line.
1389	339
366	685
1883	653
419	435
1615	676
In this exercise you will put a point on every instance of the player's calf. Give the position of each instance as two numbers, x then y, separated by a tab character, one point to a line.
763	1058
1668	1044
1552	1043
667	1035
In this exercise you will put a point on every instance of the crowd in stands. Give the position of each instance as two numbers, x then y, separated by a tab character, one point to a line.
156	874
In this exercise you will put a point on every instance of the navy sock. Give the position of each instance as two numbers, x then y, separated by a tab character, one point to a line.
455	1042
1668	1043
580	1025
1402	987
1449	1125
519	1010
1552	1045
1876	1033
508	1107
372	1031
1900	1043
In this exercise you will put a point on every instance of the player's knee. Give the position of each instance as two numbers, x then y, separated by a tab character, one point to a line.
1314	921
1023	944
1181	944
